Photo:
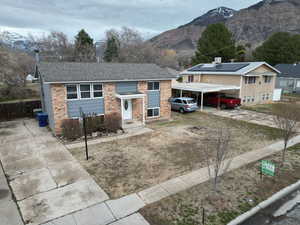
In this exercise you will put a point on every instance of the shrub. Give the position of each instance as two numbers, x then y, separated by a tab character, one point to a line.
71	129
94	123
112	122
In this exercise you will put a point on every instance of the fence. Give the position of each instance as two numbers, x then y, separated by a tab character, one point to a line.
13	110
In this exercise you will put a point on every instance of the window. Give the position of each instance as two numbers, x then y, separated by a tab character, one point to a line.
85	91
153	85
97	90
268	79
154	112
177	101
298	84
190	78
253	98
72	91
248	99
267	96
263	97
250	80
244	99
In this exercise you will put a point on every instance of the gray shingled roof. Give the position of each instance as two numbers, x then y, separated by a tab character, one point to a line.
68	72
289	70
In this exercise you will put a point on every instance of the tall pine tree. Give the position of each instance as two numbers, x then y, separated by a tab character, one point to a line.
111	53
84	47
281	47
216	41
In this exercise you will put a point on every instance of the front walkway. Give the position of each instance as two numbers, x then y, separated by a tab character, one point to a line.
49	185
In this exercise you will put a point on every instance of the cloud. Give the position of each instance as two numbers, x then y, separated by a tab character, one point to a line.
148	16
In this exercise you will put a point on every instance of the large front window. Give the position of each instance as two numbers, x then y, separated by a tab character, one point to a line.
84	91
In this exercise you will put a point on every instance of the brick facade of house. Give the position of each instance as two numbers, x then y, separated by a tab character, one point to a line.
111	103
59	105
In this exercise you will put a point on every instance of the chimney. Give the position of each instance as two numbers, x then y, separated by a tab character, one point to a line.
218	60
37	56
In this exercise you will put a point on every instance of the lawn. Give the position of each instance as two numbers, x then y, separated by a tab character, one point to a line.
240	190
262	108
173	148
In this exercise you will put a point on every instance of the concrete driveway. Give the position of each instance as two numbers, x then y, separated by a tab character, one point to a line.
46	180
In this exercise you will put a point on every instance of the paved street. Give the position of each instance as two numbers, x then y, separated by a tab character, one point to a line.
285	211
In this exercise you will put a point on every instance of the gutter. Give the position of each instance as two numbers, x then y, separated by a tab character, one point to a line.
106	81
282	193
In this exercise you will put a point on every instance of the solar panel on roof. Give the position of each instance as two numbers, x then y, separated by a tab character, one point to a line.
233	67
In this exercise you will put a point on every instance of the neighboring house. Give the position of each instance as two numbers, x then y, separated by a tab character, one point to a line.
289	79
137	92
252	82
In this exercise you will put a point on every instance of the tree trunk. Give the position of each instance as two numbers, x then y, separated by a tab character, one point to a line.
283	153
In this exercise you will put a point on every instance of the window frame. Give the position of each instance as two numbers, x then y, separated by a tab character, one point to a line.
153	86
89	91
268	79
250	80
191	80
153	108
93	91
78	91
70	99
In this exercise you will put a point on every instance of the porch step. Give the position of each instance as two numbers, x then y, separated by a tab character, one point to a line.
132	125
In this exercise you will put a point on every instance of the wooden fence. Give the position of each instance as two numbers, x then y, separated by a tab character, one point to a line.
20	109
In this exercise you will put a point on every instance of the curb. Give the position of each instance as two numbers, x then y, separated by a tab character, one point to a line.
282	193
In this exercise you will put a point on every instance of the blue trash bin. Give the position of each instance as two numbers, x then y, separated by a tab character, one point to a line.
43	119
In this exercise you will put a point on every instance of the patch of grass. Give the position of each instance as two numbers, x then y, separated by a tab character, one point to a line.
263	108
294	148
5	133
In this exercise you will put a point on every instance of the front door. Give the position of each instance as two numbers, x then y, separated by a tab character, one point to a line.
127	109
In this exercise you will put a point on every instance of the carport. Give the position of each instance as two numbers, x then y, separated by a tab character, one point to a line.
202	88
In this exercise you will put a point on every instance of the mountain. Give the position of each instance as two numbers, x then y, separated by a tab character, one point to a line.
16	41
251	25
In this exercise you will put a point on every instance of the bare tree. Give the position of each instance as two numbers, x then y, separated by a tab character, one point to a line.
54	47
286	118
134	49
218	155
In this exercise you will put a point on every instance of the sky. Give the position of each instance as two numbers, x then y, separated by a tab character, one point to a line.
150	17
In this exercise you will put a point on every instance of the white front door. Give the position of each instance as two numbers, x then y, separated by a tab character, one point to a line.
127	109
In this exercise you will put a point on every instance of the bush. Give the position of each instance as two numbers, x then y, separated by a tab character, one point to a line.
112	122
71	129
94	123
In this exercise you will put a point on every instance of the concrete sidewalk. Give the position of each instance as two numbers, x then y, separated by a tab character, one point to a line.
9	214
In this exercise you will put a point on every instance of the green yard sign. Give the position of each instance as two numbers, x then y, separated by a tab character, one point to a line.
267	168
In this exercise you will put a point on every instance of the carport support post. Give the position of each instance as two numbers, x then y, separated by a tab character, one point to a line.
201	101
181	93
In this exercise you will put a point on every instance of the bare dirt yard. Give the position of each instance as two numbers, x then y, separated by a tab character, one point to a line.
239	191
174	148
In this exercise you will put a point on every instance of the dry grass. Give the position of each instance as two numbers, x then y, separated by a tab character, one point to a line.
174	148
240	190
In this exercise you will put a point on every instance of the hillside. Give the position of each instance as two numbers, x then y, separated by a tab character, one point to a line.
251	25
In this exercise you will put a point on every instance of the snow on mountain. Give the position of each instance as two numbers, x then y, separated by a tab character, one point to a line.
15	40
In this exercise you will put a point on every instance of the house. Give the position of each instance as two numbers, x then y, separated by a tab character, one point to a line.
289	79
252	82
137	92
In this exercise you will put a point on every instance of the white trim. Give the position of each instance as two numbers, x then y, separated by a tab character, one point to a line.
106	81
130	96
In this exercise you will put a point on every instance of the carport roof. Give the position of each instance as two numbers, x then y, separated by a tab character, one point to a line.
203	87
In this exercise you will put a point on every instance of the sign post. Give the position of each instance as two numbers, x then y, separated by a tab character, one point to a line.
267	168
85	135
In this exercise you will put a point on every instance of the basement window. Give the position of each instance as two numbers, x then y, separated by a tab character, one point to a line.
153	112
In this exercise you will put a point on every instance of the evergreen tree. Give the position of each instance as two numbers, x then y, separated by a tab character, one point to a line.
216	41
111	53
84	47
281	47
